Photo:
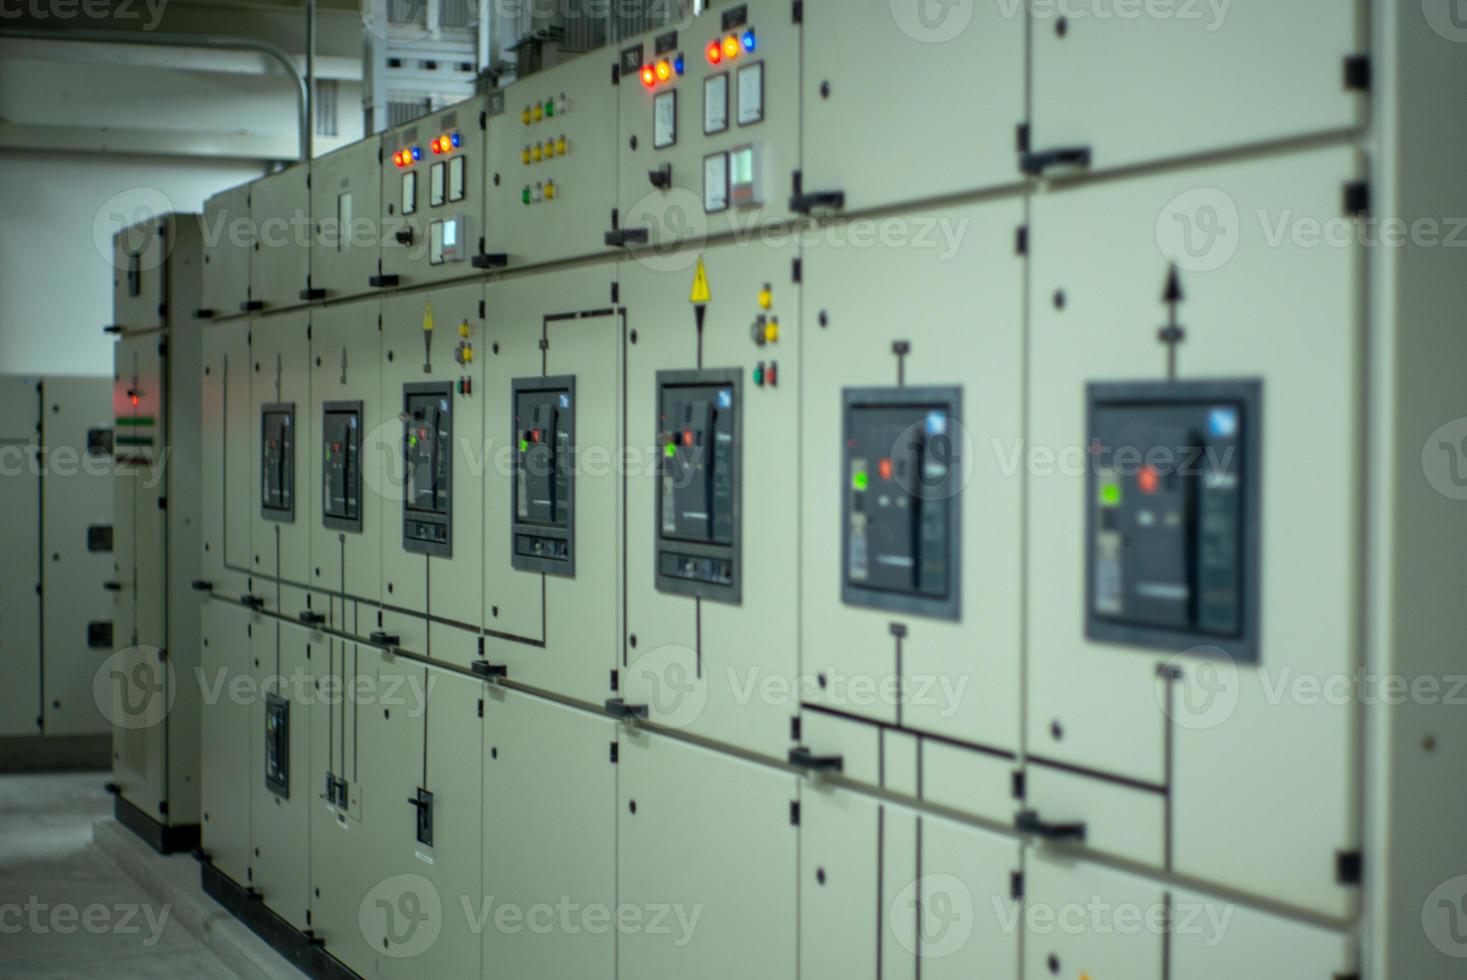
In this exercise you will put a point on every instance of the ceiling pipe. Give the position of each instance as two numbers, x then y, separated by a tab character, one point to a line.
197	41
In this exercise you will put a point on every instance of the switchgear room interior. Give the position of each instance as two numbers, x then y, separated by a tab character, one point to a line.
700	489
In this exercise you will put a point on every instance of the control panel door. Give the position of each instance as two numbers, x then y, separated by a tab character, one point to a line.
553	531
432	196
1096	101
20	607
77	551
346	208
676	799
551	184
284	675
842	862
280	435
911	507
1177	378
1086	920
139	410
433	530
937	118
227	784
228	501
547	838
349	514
229	242
139	274
280	258
709	120
712	505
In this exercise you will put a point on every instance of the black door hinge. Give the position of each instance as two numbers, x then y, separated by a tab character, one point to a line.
163	807
794	813
615	679
795	729
615	753
483	120
1349	867
1020	784
162	503
1357	198
1021	137
1016	885
1357	72
481	309
797	13
1021	240
481	707
616	292
797	270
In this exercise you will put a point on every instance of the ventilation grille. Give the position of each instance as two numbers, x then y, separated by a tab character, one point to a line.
135	750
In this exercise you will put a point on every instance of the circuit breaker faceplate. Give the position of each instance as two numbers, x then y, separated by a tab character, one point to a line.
341	437
698	502
277	462
427	514
544	481
277	745
1172	518
900	517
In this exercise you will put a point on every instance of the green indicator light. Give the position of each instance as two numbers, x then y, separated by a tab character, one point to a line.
759	376
524	445
861	481
550	108
1110	494
670	450
525	196
412	440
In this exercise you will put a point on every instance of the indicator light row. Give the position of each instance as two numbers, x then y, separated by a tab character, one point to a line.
544	110
662	71
544	191
410	155
731	47
551	149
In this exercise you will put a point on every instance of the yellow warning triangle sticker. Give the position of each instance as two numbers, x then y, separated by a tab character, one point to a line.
428	315
700	284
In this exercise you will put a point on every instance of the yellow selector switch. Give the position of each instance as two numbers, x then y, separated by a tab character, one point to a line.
525	116
463	328
525	156
771	330
539	112
766	298
560	146
535	152
550	190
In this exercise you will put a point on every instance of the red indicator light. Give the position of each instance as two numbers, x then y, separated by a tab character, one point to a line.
134	399
731	46
715	52
664	70
1147	479
436	148
687	437
884	468
649	76
534	435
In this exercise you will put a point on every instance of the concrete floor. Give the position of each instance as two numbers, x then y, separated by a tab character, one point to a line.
66	910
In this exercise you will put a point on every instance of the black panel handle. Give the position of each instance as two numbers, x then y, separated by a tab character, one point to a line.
802	758
1035	164
251	601
382	639
1029	822
823	201
493	671
617	708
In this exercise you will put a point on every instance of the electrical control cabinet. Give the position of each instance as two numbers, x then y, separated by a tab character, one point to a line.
709	120
877	138
551	183
552	573
1313	49
141	414
346	210
713	396
349	512
675	797
1172	529
698	491
1153	656
900	514
432	197
280	216
280	382
139	271
917	349
564	831
20	607
433	521
229	242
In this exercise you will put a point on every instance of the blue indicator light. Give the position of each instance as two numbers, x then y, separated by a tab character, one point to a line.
936	424
749	40
417	153
455	140
1223	422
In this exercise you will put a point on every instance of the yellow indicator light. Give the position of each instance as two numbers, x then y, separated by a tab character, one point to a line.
536	152
560	146
766	298
550	190
771	331
525	156
463	329
539	112
525	116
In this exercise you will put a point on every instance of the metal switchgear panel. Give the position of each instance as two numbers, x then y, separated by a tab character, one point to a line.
341	435
428	443
698	476
277	462
901	544
544	488
277	745
1172	515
